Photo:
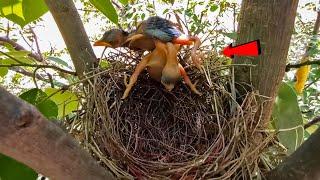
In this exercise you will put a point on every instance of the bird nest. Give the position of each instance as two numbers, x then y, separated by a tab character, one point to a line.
155	134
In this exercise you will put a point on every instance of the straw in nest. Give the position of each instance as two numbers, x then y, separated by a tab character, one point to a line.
154	134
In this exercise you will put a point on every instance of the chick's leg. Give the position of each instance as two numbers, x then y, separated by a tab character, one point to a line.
133	79
188	81
188	40
195	58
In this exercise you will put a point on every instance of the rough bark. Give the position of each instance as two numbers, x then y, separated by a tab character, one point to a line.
70	25
303	164
28	137
272	22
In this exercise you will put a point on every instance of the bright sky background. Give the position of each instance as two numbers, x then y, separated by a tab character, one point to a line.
49	34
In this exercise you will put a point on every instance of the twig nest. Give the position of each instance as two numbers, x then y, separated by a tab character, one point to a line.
155	134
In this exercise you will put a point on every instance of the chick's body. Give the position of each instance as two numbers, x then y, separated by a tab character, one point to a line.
171	71
163	38
163	65
156	64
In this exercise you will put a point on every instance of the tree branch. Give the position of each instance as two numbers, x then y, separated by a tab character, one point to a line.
39	66
36	41
290	66
69	23
18	47
27	73
274	34
28	137
33	65
117	5
312	122
304	163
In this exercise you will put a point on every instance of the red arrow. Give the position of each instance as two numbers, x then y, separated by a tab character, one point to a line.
248	49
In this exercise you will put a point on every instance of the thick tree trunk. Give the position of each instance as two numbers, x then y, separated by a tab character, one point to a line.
272	22
70	25
303	164
28	137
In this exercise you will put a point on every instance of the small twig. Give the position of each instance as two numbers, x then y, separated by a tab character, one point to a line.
34	65
88	10
290	66
178	20
185	22
26	73
117	5
232	65
209	33
37	43
25	40
18	47
8	29
40	66
313	82
312	122
104	50
234	17
34	77
50	80
62	89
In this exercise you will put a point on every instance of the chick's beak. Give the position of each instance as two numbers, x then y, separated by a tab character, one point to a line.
102	43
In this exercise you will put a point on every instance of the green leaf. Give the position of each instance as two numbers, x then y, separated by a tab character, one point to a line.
16	78
3	70
288	118
40	99
22	12
168	1
48	108
7	45
19	55
143	15
11	169
106	7
214	8
59	61
312	128
124	2
104	64
67	101
231	35
165	11
11	61
8	61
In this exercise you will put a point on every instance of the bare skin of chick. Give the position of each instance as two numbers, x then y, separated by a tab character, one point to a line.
163	66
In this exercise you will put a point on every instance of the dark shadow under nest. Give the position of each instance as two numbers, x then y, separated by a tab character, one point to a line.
155	134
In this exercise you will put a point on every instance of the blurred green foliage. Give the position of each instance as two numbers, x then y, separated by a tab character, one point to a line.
10	169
